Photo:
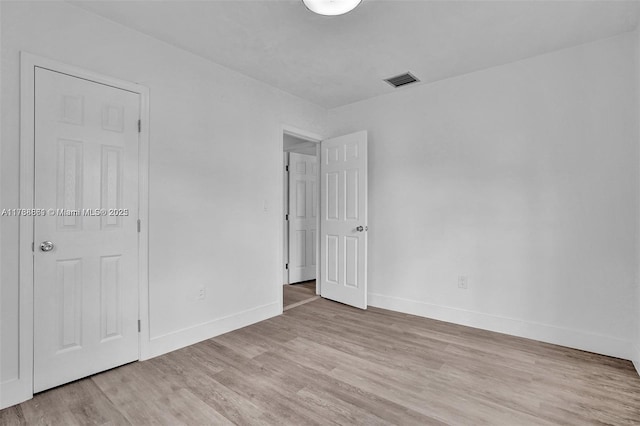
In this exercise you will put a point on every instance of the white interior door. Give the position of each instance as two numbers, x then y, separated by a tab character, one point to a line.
86	282
343	219
302	217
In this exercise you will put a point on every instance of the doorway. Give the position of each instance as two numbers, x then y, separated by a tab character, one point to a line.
338	245
301	219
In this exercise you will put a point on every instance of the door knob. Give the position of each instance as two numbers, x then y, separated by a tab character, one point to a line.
362	228
46	246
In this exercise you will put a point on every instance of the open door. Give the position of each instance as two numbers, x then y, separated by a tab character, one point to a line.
343	220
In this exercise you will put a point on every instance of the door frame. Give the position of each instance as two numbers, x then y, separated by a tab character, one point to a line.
317	139
28	63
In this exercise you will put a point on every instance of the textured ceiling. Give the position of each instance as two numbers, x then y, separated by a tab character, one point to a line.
334	61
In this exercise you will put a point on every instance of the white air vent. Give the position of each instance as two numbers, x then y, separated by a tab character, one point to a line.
402	79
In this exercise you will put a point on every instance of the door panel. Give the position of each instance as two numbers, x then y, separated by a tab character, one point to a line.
86	287
343	224
302	217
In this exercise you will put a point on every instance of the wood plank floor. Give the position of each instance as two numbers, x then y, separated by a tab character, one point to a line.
296	293
326	363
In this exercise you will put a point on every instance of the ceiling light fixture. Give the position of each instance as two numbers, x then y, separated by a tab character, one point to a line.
331	7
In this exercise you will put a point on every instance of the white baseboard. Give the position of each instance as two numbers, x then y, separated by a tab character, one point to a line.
188	336
636	357
14	392
576	339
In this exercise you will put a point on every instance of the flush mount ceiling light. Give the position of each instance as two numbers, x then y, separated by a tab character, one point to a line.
331	7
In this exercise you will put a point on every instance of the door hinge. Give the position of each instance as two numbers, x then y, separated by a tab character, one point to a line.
139	225
286	168
33	247
139	126
139	326
286	266
286	217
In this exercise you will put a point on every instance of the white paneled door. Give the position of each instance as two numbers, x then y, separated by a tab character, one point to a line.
86	246
303	171
343	219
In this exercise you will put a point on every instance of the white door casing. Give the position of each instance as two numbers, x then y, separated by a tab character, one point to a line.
343	219
285	221
86	287
302	217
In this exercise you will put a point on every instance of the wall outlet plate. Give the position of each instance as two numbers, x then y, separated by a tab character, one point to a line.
463	282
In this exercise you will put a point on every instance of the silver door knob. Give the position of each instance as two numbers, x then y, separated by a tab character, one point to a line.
46	246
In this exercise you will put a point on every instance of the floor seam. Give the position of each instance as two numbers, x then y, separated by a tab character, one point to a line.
302	302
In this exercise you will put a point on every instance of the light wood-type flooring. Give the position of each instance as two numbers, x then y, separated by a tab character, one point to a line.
326	363
296	294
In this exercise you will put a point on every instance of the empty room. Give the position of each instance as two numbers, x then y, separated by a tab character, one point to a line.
311	212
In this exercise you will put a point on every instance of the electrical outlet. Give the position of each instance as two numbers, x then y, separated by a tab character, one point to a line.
463	282
202	293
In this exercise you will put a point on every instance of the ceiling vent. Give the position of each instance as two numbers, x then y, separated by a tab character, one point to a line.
402	79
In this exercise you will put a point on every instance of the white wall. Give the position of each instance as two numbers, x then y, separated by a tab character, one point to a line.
300	146
524	177
215	159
